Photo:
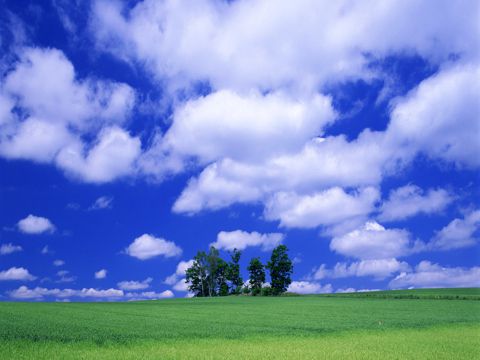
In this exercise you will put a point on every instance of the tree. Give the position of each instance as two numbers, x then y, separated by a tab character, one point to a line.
213	260
221	277
196	275
234	275
257	275
281	269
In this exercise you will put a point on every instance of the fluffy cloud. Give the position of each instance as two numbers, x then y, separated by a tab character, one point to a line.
373	241
103	202
35	225
112	156
58	109
24	292
246	45
181	285
227	125
135	285
238	239
426	120
329	207
179	272
410	200
16	273
306	287
378	268
101	274
429	275
459	233
39	293
9	248
147	246
45	84
58	262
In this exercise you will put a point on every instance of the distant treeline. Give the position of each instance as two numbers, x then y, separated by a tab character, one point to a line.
210	275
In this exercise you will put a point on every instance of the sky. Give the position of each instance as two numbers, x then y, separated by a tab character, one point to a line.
134	134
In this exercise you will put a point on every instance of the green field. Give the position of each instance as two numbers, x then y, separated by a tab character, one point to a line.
297	327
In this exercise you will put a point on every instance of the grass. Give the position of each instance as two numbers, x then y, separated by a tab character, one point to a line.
246	327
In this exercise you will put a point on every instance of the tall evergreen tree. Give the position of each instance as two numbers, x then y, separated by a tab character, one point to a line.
257	275
234	275
281	269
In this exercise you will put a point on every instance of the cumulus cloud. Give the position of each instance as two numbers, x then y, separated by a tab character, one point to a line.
373	241
181	285
377	268
40	293
410	200
135	285
100	274
430	275
241	46
225	124
23	292
306	287
238	239
16	273
179	272
147	246
111	157
103	202
58	262
459	233
329	207
35	225
58	109
9	248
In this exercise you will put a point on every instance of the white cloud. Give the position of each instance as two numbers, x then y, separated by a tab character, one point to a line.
40	293
45	84
429	275
373	241
229	240
149	295
112	156
147	246
101	274
58	109
329	207
64	276
306	287
135	285
378	268
179	272
46	250
9	248
103	202
246	45
459	233
181	285
16	273
427	119
58	262
410	200
35	225
225	124
24	292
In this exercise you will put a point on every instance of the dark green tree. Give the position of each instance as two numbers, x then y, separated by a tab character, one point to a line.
213	260
221	277
257	275
281	269
234	275
196	275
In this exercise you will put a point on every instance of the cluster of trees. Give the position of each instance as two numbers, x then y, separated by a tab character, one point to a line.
210	275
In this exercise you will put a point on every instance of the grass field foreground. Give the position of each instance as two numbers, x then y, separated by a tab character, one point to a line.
244	327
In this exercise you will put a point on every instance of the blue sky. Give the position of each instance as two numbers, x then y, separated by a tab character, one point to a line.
133	134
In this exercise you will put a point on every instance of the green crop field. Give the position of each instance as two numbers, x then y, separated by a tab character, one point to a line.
298	327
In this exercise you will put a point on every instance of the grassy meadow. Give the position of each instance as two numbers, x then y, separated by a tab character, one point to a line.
443	325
